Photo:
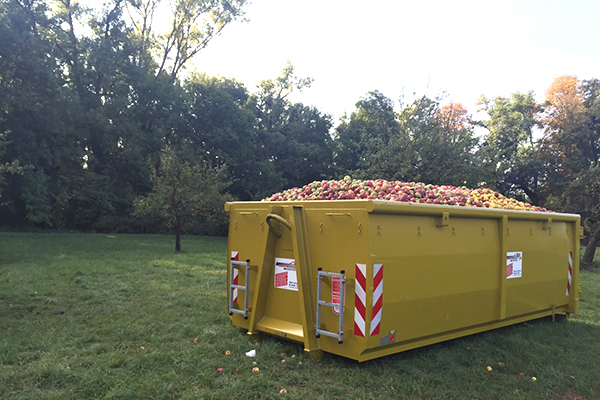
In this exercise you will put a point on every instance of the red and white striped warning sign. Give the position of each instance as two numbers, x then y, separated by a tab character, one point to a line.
377	298
570	273
360	299
236	257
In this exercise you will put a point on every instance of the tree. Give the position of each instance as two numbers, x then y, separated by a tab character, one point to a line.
220	126
293	145
369	142
183	191
87	95
442	143
35	105
511	152
305	154
582	196
192	25
572	147
423	142
8	167
564	121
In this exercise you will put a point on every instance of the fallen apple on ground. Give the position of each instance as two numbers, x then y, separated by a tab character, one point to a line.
409	192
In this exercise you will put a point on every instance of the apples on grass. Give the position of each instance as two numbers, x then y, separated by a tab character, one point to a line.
411	192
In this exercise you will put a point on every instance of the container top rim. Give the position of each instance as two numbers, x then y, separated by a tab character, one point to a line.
393	207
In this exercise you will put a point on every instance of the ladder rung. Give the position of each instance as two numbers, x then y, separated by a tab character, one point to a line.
330	334
332	274
233	266
326	303
342	279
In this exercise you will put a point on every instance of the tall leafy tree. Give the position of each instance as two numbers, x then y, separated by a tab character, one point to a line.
564	121
220	127
88	94
511	149
582	196
192	25
442	146
8	167
293	140
369	141
305	155
572	148
35	106
423	142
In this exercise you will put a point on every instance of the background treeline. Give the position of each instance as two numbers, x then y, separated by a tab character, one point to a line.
98	119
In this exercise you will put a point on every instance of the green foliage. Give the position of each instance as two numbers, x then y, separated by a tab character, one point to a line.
511	153
183	193
90	92
221	128
13	167
87	196
193	24
443	149
416	144
572	148
294	145
370	142
35	195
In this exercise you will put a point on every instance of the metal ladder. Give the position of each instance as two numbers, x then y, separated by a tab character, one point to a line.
320	302
232	266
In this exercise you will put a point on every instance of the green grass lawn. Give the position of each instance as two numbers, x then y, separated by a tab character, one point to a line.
114	317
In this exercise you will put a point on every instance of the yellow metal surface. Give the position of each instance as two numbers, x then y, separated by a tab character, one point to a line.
444	270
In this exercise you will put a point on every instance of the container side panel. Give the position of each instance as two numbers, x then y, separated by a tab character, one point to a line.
247	238
338	241
437	278
545	258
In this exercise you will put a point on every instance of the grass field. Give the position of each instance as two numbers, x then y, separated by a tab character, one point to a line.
114	317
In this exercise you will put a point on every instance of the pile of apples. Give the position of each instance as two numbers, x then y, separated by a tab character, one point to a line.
413	192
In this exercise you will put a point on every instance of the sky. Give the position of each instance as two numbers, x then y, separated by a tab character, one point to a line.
460	49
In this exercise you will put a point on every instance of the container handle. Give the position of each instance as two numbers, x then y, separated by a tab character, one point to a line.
279	219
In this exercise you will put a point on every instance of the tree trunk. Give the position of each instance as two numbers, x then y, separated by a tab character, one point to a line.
590	250
533	196
178	236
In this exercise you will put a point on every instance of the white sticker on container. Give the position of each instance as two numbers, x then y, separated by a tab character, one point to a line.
285	274
514	264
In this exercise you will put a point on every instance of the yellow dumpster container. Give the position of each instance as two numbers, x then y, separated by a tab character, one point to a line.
367	278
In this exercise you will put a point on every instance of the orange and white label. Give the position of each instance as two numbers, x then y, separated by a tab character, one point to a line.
285	274
514	264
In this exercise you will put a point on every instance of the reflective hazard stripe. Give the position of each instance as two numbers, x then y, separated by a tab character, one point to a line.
377	298
570	277
236	257
360	299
